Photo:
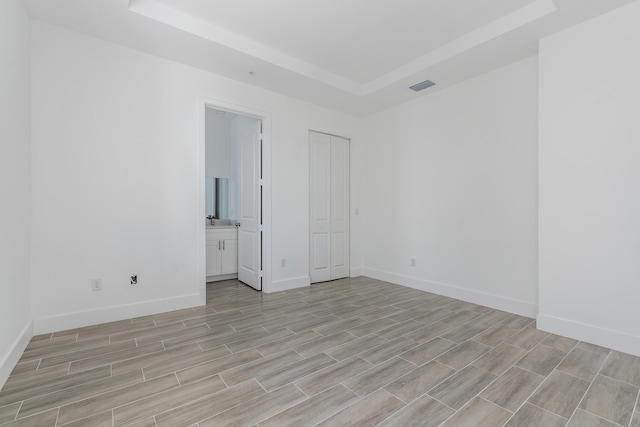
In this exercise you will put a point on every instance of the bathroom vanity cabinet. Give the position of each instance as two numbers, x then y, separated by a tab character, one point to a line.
222	253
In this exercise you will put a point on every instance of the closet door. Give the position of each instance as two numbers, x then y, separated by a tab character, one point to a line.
329	207
339	198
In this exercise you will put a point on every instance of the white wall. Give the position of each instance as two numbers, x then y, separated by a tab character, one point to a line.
450	179
15	186
589	181
116	177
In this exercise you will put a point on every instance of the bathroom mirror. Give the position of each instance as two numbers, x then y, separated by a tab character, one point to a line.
219	198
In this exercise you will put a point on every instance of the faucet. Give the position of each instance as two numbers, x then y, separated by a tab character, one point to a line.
212	218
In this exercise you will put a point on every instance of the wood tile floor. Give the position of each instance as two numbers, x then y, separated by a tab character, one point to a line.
351	352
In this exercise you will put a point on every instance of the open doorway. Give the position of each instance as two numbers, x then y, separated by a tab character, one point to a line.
233	194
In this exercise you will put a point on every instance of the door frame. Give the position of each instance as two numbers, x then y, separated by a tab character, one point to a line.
265	117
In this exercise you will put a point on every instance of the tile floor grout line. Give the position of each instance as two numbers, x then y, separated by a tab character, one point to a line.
635	407
541	382
586	392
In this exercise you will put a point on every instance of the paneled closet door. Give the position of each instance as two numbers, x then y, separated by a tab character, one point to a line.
329	207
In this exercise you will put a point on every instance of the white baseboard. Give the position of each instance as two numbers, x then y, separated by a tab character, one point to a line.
79	319
498	302
355	272
616	340
285	285
12	356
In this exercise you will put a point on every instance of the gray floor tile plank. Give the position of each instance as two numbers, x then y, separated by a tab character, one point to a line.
79	392
43	419
314	409
355	347
87	352
582	363
32	377
623	367
153	334
256	368
165	401
332	375
9	412
26	366
50	343
501	358
105	401
367	412
388	350
258	409
339	326
429	332
611	399
294	371
114	357
512	388
379	376
423	412
323	344
103	419
463	354
431	316
312	322
585	419
210	406
495	335
460	388
46	386
371	327
63	348
164	367
563	344
541	360
399	329
531	415
150	359
428	351
527	338
417	382
463	332
478	412
217	365
560	393
288	342
251	342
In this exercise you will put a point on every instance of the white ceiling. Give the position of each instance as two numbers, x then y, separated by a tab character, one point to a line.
358	56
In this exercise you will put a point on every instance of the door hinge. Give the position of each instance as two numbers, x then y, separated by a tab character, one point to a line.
260	228
261	273
261	182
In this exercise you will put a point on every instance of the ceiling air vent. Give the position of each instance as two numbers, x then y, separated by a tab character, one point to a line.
422	85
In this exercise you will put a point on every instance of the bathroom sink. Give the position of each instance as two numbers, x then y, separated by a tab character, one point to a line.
222	223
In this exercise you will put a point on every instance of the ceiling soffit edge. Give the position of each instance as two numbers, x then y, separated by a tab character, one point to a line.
175	18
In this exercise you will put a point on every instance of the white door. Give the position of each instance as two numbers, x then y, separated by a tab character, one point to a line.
249	238
329	207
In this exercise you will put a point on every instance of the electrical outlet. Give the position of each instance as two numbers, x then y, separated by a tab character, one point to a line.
283	263
96	284
413	262
134	280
